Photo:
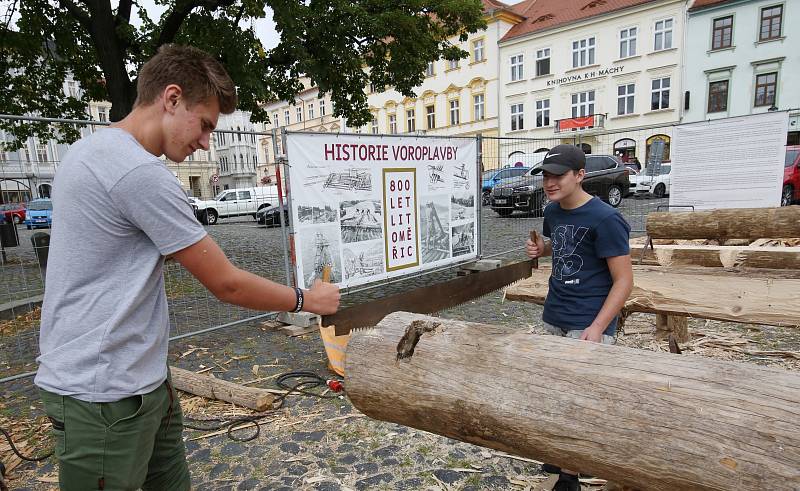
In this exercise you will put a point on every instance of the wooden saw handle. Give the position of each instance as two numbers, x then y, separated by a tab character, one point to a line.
534	239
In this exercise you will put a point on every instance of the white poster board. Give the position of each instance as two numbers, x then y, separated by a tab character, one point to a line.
374	207
729	163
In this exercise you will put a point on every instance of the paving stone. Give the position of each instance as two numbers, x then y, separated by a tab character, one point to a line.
232	449
496	482
386	451
312	436
390	462
297	470
345	448
370	482
409	484
457	454
348	459
328	486
192	446
240	471
217	470
290	447
366	468
247	485
448	476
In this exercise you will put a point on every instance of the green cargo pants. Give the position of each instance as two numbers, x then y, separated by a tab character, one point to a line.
134	443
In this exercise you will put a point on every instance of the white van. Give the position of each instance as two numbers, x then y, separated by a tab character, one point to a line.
235	203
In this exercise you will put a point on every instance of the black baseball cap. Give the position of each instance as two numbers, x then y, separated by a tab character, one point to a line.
563	158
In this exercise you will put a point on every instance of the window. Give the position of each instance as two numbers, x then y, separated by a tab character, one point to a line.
583	52
286	117
299	114
477	51
627	42
722	35
660	95
102	114
718	96
374	125
238	133
625	97
244	195
411	121
583	104
429	70
430	116
543	62
516	68
310	110
543	113
72	89
275	121
655	138
454	113
452	64
321	107
771	18
766	84
393	123
517	117
41	152
478	105
663	37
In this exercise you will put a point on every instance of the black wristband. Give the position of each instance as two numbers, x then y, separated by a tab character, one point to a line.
299	305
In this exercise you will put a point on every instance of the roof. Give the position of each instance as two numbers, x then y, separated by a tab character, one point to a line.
546	14
699	4
489	5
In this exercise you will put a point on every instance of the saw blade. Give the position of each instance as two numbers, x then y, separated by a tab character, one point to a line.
429	299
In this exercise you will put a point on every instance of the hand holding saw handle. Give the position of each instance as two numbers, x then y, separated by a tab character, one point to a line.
535	247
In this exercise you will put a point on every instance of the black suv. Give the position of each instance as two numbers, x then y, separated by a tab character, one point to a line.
606	178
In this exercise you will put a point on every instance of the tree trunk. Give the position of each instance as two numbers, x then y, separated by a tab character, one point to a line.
654	421
721	256
214	388
752	297
741	223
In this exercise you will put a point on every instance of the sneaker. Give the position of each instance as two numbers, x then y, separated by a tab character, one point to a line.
567	482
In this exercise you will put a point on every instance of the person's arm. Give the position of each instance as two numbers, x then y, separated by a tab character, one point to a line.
206	261
622	277
538	249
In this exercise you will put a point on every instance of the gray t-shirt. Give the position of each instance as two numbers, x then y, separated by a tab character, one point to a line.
117	211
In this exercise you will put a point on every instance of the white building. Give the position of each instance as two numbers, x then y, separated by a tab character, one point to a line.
743	60
236	150
616	65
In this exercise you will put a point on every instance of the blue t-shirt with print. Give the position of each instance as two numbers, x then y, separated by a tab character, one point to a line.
582	239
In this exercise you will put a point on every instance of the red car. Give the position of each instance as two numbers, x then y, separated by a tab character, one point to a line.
791	176
13	212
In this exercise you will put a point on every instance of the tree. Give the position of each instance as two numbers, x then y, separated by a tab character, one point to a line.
342	45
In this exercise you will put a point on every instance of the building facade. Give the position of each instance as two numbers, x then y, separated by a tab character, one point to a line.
604	74
741	61
236	150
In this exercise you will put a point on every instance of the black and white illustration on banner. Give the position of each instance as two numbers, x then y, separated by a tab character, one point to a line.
461	176
320	247
462	206
360	220
316	213
435	229
463	239
350	179
437	178
362	259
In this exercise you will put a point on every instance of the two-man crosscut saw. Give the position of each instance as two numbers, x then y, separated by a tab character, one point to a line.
430	299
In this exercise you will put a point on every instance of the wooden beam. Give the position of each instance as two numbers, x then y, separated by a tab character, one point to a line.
753	296
721	256
214	388
737	223
654	421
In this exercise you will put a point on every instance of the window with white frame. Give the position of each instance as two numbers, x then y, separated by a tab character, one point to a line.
517	117
718	96
454	112
411	121
310	110
771	20
583	104
478	54
102	114
625	99
374	125
543	113
766	88
322	107
627	42
275	120
72	89
429	72
430	116
393	123
478	106
299	111
515	63
663	35
41	151
722	32
583	52
452	64
659	98
542	62
286	117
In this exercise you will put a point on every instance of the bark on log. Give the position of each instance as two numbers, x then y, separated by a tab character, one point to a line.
752	297
737	223
721	256
600	409
677	325
214	388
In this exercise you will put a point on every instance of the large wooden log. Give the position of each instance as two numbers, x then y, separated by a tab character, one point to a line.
721	256
214	388
751	297
737	223
606	410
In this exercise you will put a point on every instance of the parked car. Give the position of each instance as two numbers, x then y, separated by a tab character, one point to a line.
633	177
269	216
235	203
39	213
492	177
606	177
791	176
13	212
648	182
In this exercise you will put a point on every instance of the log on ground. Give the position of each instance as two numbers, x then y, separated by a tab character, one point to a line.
654	421
752	297
214	388
721	256
735	223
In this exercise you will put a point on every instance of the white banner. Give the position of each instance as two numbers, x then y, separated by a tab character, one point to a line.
374	207
729	163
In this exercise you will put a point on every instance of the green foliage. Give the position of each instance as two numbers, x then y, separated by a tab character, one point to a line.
342	45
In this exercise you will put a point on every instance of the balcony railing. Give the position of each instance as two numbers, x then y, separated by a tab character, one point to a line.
581	123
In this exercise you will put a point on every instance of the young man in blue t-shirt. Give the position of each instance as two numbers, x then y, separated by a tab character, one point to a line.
592	274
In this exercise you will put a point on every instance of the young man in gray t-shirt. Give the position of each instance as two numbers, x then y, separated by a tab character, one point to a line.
119	212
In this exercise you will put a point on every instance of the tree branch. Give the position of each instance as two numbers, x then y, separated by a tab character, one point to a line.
82	17
176	17
124	11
